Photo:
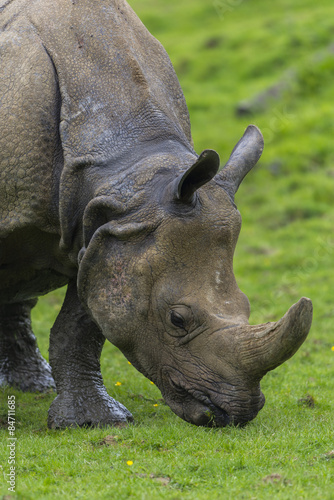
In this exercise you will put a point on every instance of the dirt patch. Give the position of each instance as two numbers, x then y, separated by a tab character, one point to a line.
108	441
307	400
272	478
275	478
163	480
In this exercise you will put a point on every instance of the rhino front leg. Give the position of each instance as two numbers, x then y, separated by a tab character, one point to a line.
21	364
75	349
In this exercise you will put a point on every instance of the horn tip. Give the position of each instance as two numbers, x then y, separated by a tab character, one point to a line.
300	318
304	305
306	308
255	131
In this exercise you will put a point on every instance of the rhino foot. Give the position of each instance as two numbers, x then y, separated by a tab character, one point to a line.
31	375
79	410
21	364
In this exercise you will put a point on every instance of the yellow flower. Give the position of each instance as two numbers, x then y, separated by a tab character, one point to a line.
118	383
129	363
129	462
152	382
155	405
333	348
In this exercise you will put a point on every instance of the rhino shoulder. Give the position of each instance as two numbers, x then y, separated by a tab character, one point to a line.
30	153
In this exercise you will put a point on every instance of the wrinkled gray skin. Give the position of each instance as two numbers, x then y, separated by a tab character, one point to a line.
101	189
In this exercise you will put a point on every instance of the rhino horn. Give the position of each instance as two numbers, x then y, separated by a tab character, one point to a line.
201	172
264	347
244	156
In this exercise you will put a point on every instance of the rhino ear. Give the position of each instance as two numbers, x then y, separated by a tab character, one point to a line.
244	156
201	172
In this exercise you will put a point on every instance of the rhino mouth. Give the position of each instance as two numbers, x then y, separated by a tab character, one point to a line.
200	409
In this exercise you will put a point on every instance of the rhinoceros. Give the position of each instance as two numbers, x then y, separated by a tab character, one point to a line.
101	190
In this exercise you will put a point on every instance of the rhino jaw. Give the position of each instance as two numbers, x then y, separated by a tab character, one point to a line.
207	414
195	409
207	407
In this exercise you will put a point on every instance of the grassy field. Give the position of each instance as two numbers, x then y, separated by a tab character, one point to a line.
238	62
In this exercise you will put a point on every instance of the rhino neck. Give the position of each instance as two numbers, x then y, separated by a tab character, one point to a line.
92	194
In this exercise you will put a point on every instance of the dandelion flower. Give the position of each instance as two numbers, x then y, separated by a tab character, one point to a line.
129	462
333	348
155	405
152	383
118	383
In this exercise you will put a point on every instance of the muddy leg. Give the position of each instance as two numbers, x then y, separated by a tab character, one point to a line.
21	364
75	348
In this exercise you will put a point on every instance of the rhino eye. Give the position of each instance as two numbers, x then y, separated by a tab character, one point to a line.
177	320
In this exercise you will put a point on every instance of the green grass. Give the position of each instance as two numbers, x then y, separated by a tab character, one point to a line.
225	53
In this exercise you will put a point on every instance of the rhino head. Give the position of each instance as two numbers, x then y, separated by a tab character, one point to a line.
162	289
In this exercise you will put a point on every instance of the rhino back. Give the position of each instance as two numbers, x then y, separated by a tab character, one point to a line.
117	84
